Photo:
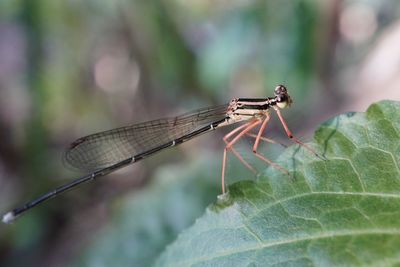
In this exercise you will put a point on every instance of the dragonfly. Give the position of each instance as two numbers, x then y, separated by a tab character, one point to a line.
102	153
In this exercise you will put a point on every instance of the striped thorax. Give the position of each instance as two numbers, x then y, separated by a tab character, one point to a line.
242	109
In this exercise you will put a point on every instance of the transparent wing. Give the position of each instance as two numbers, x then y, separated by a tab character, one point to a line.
106	148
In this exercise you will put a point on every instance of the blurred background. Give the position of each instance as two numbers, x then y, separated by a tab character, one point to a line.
71	68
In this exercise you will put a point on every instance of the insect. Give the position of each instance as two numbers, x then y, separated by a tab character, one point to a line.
102	153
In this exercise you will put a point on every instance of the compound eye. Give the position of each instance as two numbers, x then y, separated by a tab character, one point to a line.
280	89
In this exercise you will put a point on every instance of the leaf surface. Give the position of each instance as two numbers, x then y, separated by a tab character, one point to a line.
344	210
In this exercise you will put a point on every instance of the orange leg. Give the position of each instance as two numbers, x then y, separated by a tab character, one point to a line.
256	143
260	132
265	139
229	135
245	128
290	135
233	132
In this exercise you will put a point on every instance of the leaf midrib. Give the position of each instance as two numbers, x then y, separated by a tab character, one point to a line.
326	234
282	200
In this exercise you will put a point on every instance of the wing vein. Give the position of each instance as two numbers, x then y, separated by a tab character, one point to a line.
106	148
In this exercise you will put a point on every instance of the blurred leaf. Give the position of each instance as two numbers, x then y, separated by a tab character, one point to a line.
343	211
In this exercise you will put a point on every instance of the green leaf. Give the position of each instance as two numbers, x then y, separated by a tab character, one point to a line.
343	211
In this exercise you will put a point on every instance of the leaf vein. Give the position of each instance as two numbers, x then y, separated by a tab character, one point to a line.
329	234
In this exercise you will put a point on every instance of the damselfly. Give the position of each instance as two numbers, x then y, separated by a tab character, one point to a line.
105	152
